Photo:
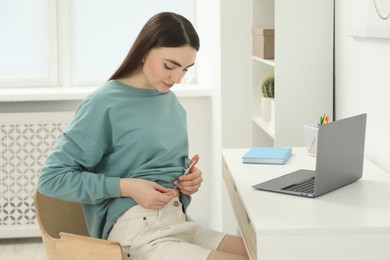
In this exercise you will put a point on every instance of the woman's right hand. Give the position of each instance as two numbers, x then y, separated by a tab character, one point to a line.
147	194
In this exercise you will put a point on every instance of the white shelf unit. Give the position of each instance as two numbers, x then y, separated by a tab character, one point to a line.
303	68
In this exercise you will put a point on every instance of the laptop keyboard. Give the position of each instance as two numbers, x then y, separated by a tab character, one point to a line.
306	186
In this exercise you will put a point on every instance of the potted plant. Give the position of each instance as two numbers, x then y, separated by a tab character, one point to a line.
267	99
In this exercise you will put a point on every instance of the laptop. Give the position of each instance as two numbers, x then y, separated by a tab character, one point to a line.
340	155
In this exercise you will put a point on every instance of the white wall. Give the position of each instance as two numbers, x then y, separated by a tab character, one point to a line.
236	116
199	127
208	201
236	47
363	84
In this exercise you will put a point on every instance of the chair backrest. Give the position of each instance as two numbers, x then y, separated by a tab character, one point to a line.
55	216
65	235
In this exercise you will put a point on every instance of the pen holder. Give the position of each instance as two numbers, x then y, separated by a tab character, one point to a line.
311	138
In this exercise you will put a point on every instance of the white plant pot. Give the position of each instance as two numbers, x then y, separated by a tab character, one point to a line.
272	120
266	108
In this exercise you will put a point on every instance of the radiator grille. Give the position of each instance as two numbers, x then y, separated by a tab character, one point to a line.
26	140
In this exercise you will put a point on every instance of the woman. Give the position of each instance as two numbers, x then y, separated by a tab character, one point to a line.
124	153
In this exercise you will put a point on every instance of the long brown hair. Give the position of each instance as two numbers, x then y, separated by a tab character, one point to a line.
164	29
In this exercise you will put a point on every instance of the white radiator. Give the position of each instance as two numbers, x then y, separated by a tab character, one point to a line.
25	141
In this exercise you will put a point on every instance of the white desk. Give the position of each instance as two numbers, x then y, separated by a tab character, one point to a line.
349	223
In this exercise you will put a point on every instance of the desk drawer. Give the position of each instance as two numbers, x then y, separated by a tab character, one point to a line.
242	217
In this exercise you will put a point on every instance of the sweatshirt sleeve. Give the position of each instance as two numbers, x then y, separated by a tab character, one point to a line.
65	175
68	173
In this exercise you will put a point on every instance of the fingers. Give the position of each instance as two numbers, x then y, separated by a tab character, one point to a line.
194	159
157	200
164	195
161	189
189	190
174	192
190	183
194	175
146	193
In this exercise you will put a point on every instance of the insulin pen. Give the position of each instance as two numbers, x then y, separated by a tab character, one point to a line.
189	168
187	171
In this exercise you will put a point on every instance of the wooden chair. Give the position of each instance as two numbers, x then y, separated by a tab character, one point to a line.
65	234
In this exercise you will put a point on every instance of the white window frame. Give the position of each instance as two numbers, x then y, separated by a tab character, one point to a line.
59	83
51	77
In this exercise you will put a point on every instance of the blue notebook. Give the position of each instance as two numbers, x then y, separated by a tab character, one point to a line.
267	155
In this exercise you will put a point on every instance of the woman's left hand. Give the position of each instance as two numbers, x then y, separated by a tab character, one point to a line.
190	183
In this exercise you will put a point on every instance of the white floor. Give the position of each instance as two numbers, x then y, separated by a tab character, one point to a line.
22	249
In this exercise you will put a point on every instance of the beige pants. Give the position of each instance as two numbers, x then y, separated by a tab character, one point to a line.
148	234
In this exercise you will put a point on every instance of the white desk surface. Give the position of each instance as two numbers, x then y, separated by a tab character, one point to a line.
361	208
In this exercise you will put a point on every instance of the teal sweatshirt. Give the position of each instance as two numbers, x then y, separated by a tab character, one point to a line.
117	132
